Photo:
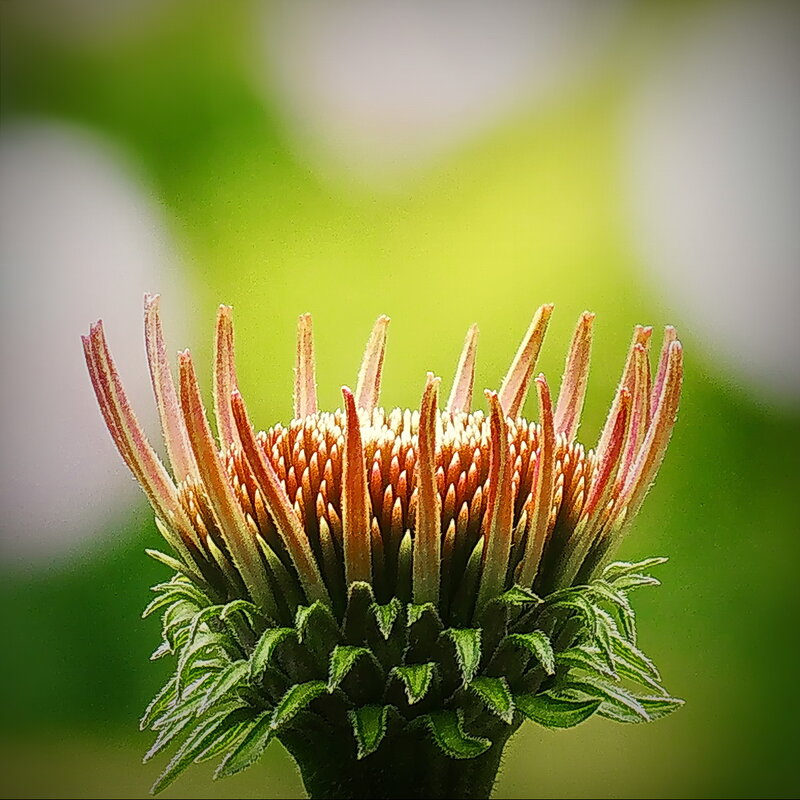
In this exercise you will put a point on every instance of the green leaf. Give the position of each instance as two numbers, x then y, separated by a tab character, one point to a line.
318	630
467	643
578	602
236	724
519	596
448	732
496	696
416	611
657	707
295	700
608	693
555	712
164	649
204	733
619	568
369	727
245	607
634	580
417	679
159	703
386	615
160	601
581	658
538	645
265	648
252	744
342	660
619	601
225	683
629	653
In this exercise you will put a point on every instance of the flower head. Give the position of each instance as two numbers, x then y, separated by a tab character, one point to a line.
444	507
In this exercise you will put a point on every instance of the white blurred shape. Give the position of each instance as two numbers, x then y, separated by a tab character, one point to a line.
714	159
384	86
79	240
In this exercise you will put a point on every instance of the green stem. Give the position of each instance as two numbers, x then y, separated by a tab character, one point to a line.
407	765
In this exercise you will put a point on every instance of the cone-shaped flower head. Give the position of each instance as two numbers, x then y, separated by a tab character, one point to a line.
442	511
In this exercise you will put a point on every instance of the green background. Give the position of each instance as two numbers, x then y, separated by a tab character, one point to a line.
528	213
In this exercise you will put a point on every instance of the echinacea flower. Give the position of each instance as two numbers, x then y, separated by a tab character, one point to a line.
390	593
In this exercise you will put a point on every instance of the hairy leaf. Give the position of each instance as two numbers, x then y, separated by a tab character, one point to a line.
385	615
295	700
467	642
250	746
555	712
416	678
265	649
448	732
538	645
369	727
342	660
496	696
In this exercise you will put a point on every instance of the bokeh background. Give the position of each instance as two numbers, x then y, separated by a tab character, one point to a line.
444	163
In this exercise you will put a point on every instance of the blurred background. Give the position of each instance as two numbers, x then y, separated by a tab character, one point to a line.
444	163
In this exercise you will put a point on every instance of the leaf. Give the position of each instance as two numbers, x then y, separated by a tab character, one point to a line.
657	707
578	602
634	580
159	703
632	655
369	727
317	629
538	645
608	693
342	660
236	724
265	649
252	744
164	649
619	568
519	596
448	732
385	616
417	610
467	643
619	601
160	601
246	608
295	700
496	696
581	658
198	740
555	712
225	683
417	679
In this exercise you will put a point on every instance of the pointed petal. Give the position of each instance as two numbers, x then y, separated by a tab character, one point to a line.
670	336
461	393
229	515
576	374
428	533
224	378
514	388
305	382
639	388
368	388
133	444
280	509
542	489
356	506
169	411
651	453
500	506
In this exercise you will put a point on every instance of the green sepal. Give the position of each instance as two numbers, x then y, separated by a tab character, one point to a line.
317	630
386	615
360	599
582	658
620	605
495	695
230	677
634	581
342	660
369	727
467	643
607	693
203	734
247	609
416	678
555	712
237	722
265	648
537	643
519	596
298	697
252	744
159	703
448	732
617	569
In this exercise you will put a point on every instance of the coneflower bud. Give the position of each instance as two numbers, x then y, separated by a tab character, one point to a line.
391	593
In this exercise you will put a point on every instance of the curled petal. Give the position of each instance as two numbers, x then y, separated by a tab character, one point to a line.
514	388
576	375
224	377
305	382
275	497
500	506
356	506
461	393
226	509
427	539
368	388
169	411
